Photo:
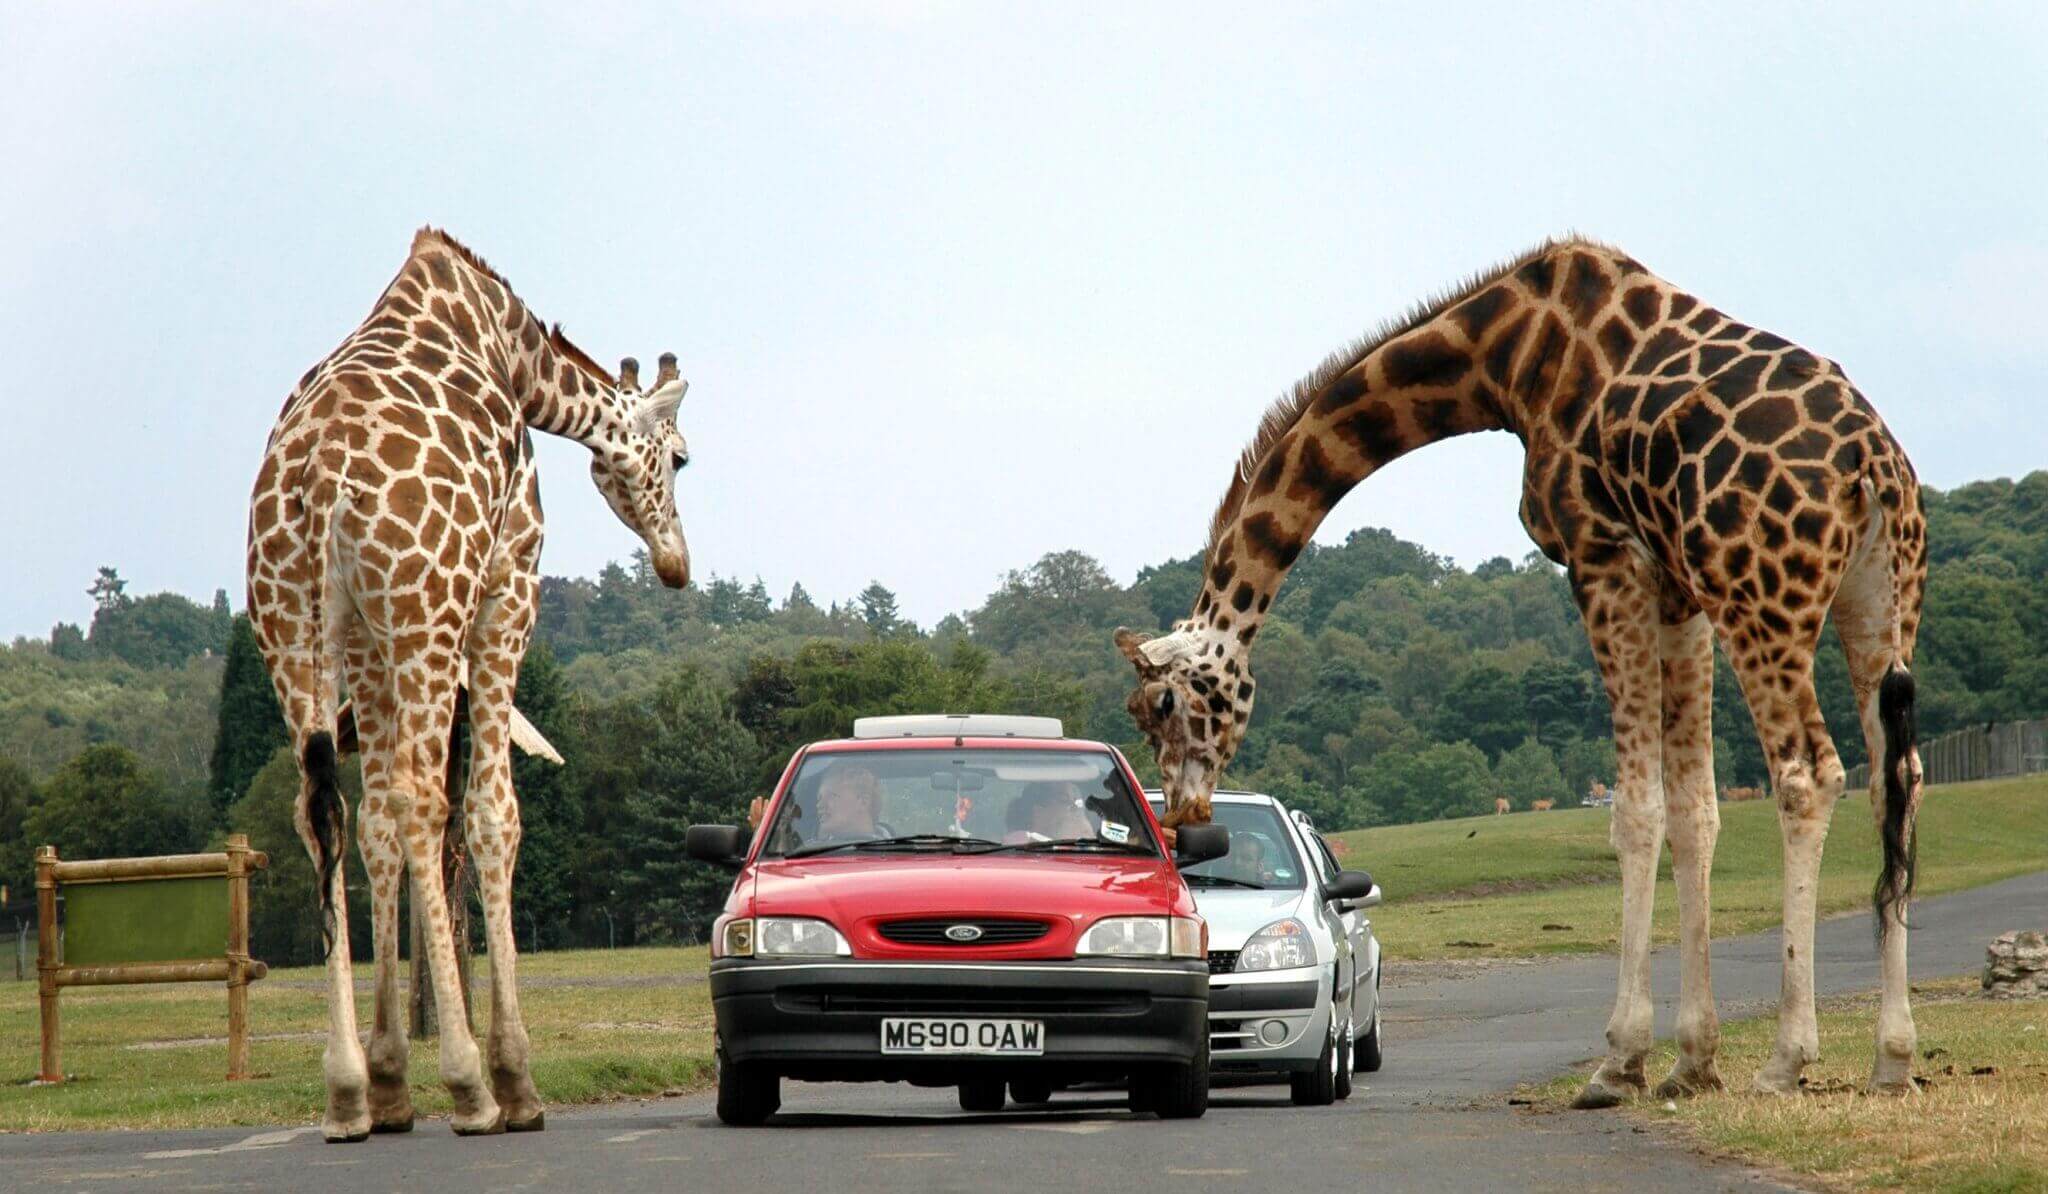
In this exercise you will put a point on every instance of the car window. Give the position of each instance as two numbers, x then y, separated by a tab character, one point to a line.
1015	797
1262	852
1325	858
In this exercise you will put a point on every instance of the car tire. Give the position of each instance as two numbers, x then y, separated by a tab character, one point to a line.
1368	1051
1317	1087
1346	1050
747	1094
1030	1093
1174	1091
981	1095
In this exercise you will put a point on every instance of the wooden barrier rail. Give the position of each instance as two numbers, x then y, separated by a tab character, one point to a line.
166	900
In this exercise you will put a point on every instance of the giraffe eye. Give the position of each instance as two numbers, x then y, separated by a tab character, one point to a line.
1165	705
678	460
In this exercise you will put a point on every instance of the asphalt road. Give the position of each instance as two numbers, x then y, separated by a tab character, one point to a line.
1434	1119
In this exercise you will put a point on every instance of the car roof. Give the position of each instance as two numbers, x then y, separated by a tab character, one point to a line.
952	743
1226	795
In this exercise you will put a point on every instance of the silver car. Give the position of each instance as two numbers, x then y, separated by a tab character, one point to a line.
1294	968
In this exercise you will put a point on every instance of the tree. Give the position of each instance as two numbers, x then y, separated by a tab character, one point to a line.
160	630
799	598
878	610
1484	707
17	853
250	726
1529	773
1443	780
105	804
544	887
108	590
1585	762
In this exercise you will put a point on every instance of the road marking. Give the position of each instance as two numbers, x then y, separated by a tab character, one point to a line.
910	1156
1079	1129
630	1137
247	1144
1207	1172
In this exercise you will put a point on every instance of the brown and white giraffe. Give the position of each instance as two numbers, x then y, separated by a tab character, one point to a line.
394	546
1700	481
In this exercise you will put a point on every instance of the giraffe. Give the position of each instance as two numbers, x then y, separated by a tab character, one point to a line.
394	545
1699	480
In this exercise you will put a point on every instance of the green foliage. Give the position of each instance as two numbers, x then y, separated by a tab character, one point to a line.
1529	773
104	803
250	726
17	855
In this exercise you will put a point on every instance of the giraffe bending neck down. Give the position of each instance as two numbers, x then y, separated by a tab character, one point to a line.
394	551
1699	480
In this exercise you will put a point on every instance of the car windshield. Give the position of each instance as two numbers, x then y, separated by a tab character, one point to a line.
1261	854
958	801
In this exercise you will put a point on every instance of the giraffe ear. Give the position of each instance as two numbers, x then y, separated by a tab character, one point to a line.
658	409
1151	653
1132	644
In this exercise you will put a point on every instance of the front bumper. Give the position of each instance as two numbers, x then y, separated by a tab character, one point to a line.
1241	1005
821	1020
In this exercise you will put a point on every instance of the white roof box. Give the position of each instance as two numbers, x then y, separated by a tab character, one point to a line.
958	725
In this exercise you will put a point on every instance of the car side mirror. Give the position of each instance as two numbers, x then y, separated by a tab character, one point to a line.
719	845
1200	843
1351	885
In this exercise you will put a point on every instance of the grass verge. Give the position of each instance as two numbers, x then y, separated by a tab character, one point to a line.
1490	886
1977	1124
152	1057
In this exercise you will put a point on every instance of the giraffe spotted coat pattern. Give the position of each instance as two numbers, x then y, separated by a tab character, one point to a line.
394	547
1700	481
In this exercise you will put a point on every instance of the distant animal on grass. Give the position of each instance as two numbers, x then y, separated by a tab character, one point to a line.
1500	805
1736	794
1541	806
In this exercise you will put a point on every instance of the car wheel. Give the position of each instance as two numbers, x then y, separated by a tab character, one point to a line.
747	1094
1030	1093
982	1095
1345	1051
1369	1046
1317	1087
1174	1091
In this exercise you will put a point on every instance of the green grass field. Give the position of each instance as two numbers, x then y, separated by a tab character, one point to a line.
1497	881
1975	1126
608	1024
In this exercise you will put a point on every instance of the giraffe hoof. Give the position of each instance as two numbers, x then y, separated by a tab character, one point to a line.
495	1126
1679	1086
391	1126
538	1123
341	1135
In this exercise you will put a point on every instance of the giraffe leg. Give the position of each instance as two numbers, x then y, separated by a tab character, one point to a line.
1693	822
1807	778
1864	618
1620	610
492	822
422	757
377	839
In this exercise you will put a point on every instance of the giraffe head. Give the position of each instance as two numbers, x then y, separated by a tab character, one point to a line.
635	466
1193	699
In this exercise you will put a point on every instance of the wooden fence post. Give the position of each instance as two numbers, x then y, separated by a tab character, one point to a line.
238	956
46	958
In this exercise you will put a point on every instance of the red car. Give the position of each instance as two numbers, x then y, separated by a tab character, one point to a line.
962	901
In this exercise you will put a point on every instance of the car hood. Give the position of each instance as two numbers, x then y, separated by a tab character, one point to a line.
1073	891
1235	913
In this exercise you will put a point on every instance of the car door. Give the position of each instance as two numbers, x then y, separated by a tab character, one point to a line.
1325	868
1353	924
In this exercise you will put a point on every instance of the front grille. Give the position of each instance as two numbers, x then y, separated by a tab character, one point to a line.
1222	961
912	1000
1228	1034
932	931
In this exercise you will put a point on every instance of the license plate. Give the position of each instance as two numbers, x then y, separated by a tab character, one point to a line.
1003	1038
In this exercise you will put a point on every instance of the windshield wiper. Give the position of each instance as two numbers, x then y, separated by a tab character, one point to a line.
1222	881
1071	843
887	843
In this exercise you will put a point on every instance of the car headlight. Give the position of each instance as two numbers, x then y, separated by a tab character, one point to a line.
1279	946
783	937
1145	937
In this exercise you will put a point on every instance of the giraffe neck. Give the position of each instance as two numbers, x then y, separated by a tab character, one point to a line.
1495	359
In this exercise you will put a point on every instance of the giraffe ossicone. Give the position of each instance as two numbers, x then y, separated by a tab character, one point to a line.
1701	481
394	548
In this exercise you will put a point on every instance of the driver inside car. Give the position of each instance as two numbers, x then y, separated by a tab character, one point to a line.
1048	811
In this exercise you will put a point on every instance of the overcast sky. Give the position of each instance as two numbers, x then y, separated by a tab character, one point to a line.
960	285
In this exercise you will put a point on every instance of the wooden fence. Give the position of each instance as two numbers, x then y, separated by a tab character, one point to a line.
180	918
1991	751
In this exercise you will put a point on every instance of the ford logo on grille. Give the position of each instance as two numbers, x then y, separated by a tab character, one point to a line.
963	933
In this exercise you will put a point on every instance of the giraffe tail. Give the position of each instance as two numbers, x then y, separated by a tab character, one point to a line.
1899	839
324	814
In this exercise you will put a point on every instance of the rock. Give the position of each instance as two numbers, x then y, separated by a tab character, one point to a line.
2016	966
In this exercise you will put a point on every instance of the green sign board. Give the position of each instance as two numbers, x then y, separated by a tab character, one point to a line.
145	920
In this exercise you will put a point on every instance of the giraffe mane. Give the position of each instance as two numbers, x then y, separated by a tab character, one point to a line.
1289	408
430	238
